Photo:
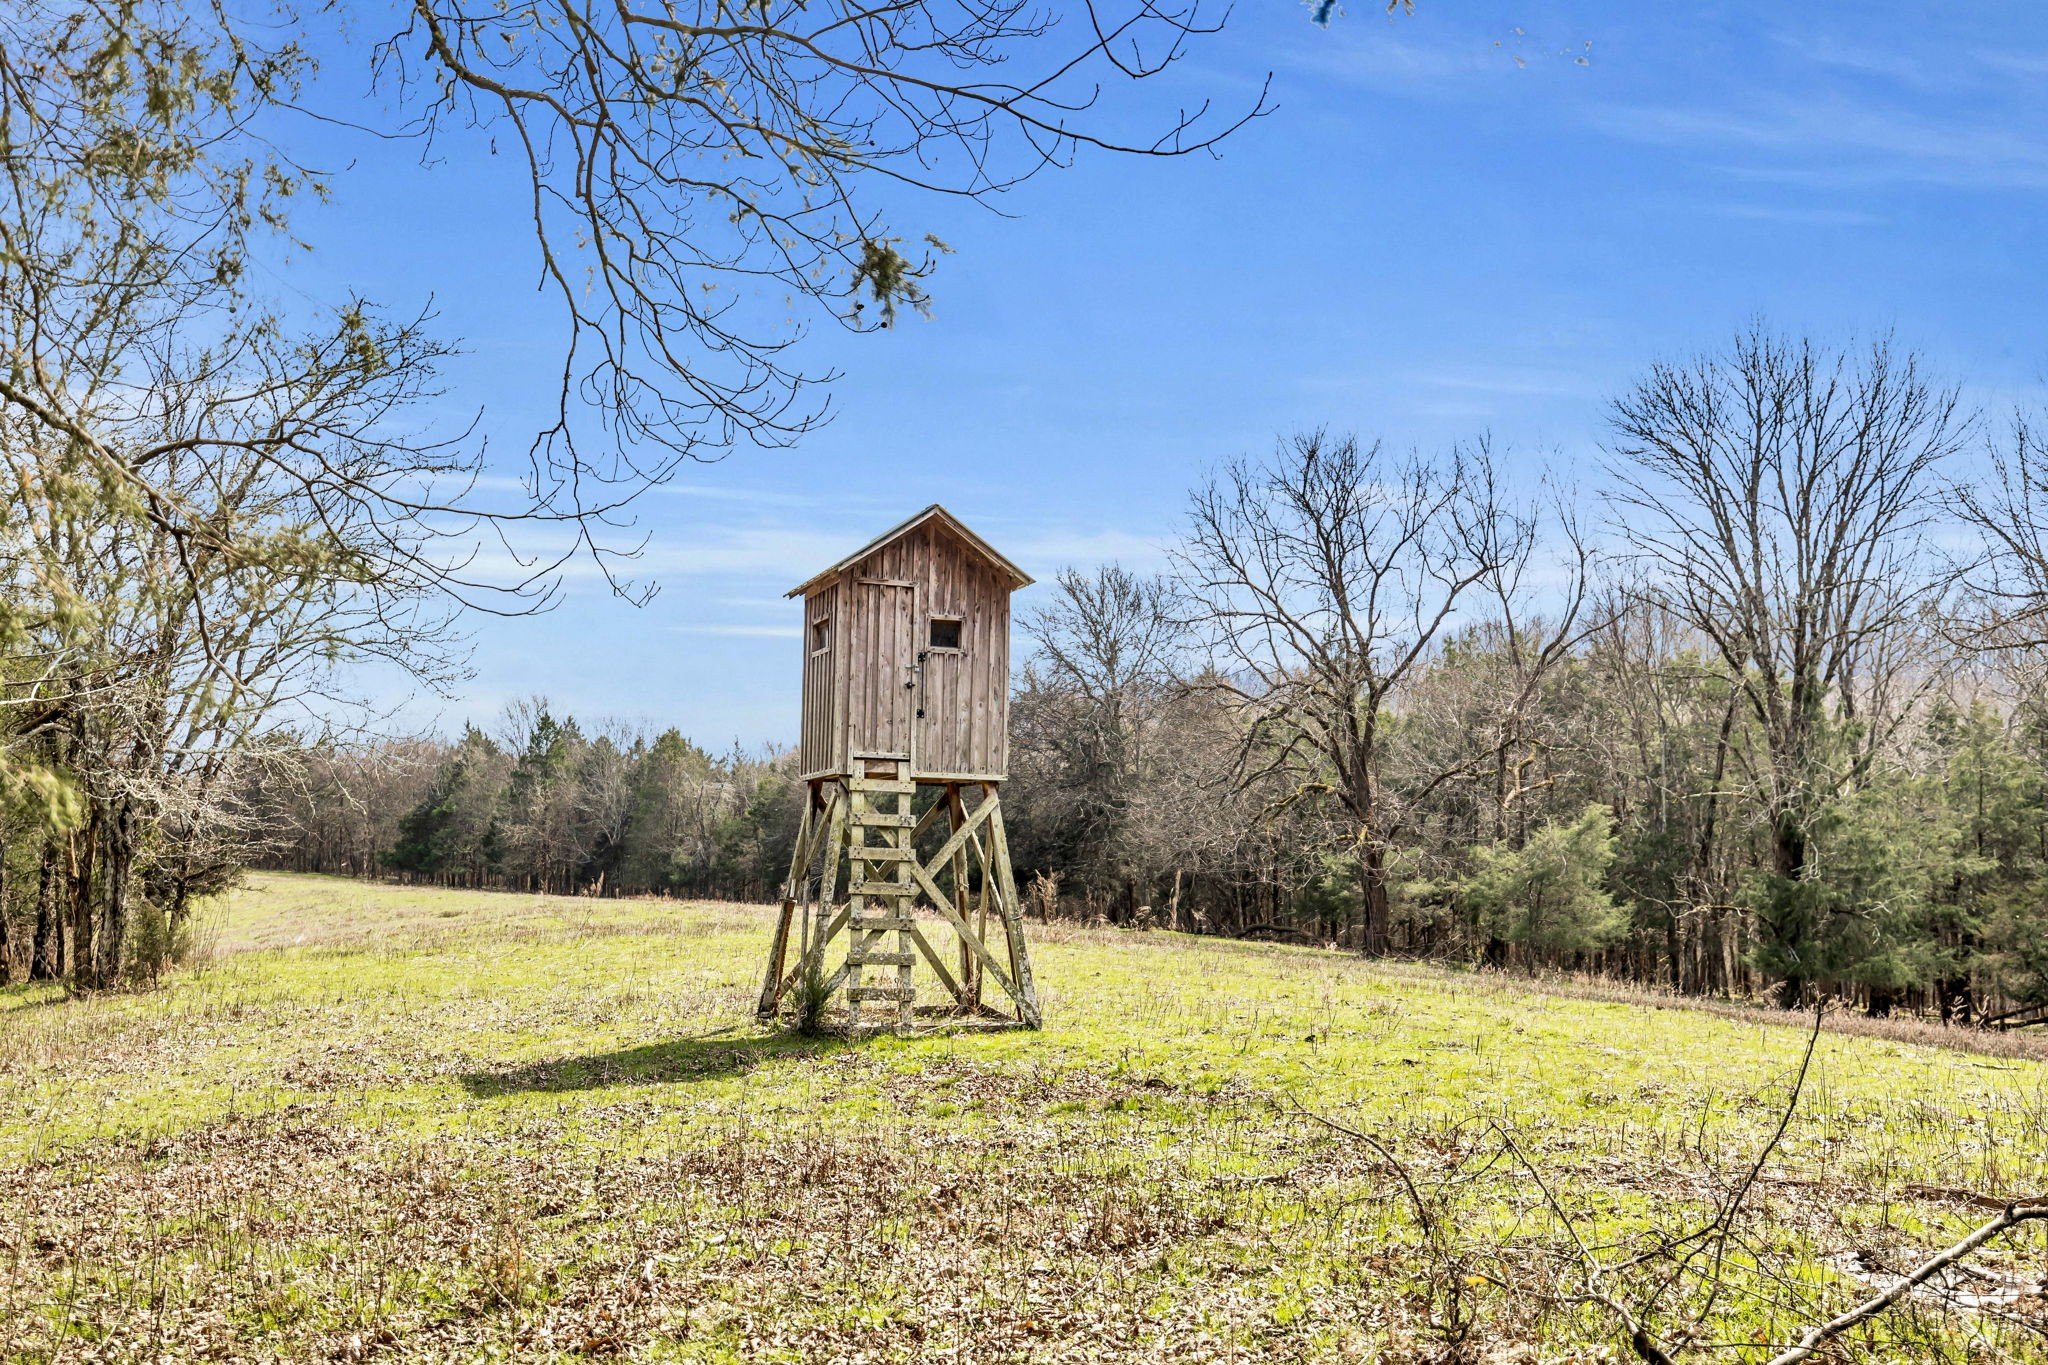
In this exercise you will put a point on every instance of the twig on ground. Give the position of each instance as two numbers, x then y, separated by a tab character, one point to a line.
1604	1285
1454	1268
1640	1340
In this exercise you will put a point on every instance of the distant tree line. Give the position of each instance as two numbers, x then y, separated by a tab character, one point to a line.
1610	820
539	804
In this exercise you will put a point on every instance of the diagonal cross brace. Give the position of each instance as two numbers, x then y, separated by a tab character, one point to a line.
959	839
967	935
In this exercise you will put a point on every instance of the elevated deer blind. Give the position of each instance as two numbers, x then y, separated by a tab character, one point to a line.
905	745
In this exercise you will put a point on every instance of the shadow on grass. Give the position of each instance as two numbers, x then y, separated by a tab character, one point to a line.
707	1057
34	995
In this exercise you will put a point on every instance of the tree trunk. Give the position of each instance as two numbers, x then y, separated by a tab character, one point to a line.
85	938
6	937
1372	888
120	847
1671	947
1729	933
1788	853
46	953
1700	876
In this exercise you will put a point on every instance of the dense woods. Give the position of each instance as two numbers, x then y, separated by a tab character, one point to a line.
540	804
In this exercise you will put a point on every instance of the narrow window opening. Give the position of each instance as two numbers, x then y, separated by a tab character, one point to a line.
821	634
945	632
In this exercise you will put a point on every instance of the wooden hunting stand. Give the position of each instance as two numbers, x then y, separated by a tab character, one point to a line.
905	744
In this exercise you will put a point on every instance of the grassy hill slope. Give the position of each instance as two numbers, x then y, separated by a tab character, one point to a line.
423	1124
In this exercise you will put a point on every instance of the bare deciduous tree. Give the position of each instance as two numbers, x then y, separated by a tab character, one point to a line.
1105	664
1776	496
1324	577
2008	508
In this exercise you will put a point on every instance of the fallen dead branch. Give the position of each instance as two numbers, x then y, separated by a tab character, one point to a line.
1819	1335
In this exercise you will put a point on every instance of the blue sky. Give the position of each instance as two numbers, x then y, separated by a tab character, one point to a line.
1479	218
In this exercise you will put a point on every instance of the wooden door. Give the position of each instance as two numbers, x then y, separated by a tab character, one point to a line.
884	690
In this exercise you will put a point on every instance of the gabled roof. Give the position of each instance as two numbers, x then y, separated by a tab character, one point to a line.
935	513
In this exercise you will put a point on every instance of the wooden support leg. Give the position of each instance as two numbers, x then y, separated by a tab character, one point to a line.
906	989
859	937
981	904
836	803
793	890
1028	1013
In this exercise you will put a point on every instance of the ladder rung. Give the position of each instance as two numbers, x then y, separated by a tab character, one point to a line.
882	855
859	959
872	818
881	992
878	784
887	924
861	886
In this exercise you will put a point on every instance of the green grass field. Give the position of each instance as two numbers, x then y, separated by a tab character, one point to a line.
387	1123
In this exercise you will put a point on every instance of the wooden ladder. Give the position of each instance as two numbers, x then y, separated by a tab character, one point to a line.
880	887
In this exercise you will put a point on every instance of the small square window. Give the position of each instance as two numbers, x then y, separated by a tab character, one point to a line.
945	632
821	633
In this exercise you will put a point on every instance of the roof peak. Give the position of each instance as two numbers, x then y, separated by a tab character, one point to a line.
934	512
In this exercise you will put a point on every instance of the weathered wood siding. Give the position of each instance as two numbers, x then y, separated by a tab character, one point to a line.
855	697
966	694
819	746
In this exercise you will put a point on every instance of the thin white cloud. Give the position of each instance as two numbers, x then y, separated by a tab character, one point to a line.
1796	214
1431	60
1375	60
747	566
1504	379
1463	410
766	551
1894	65
1045	552
2015	63
1834	140
1983	70
734	493
743	630
1856	118
769	550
